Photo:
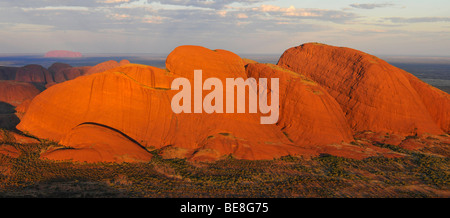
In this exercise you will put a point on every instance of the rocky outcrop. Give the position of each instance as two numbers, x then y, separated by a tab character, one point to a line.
308	114
104	66
139	106
56	68
62	54
15	93
115	112
34	73
373	94
111	98
8	73
436	101
183	60
96	143
70	73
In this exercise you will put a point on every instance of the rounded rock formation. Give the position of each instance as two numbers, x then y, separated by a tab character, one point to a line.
111	98
436	101
35	74
104	66
14	93
62	54
183	60
96	143
56	68
70	73
308	114
131	104
8	73
373	94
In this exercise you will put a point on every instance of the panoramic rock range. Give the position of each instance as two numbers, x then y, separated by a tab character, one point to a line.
333	100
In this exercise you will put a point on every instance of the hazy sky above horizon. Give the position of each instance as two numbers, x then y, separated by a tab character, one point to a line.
397	27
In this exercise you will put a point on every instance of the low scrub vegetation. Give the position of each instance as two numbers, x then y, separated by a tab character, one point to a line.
415	175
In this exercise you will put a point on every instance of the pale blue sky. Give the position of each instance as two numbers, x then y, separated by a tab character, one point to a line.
397	27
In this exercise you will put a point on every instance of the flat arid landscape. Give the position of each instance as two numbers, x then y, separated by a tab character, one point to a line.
350	125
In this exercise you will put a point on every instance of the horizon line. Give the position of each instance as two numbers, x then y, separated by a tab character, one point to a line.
240	54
